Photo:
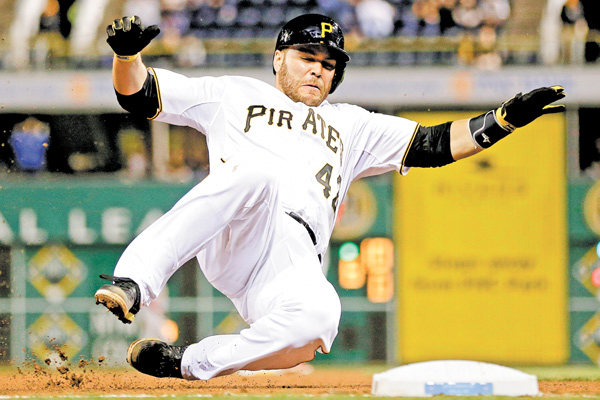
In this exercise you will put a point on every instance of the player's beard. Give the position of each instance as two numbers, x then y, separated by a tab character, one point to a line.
291	87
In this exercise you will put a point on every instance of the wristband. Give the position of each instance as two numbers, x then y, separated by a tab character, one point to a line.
127	58
485	130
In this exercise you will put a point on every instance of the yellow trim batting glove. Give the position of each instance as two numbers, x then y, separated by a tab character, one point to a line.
127	37
519	111
524	108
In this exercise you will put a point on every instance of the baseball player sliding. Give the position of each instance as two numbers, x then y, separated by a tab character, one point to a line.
281	161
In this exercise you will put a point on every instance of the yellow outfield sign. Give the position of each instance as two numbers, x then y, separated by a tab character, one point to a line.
482	251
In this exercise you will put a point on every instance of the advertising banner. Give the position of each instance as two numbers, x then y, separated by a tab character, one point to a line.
482	251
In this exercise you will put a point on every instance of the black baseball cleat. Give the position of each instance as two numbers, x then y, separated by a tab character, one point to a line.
155	357
122	297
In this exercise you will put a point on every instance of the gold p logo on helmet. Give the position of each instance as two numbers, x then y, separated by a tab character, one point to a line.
326	28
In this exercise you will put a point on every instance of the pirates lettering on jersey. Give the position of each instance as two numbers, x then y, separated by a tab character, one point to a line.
312	123
328	133
259	111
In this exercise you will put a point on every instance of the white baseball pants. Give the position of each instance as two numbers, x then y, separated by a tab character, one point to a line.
256	255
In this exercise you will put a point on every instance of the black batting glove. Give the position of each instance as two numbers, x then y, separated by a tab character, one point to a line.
487	129
524	108
127	37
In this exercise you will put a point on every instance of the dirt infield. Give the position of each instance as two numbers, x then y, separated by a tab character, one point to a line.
85	378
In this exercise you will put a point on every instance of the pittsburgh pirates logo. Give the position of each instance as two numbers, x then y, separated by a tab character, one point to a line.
326	28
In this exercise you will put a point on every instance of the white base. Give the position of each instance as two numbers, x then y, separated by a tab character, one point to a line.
454	377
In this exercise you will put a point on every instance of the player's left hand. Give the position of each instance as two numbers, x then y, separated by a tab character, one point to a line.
524	108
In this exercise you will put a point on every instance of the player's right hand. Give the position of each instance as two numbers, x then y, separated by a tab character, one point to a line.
127	36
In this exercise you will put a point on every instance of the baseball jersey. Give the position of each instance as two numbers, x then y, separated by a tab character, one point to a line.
317	151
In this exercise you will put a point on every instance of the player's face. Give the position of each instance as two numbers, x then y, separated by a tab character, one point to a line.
305	73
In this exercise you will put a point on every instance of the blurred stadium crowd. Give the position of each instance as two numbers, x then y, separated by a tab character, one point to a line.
487	33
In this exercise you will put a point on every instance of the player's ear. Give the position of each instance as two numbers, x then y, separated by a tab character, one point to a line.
278	60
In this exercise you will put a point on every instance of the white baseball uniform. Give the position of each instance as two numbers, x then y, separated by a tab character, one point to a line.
268	156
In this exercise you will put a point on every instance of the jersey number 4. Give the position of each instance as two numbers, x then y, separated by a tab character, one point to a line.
324	178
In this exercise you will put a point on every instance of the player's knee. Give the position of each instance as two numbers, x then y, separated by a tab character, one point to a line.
322	317
323	325
328	316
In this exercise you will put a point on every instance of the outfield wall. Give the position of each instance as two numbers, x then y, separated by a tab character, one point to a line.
57	236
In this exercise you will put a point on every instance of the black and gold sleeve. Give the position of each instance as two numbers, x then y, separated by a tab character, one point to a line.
430	147
146	101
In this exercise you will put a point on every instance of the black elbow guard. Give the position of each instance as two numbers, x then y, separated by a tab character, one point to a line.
146	102
430	147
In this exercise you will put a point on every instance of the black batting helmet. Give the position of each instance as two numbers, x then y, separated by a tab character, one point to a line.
316	29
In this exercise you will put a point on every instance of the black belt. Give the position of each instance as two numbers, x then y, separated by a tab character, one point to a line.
305	225
302	222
